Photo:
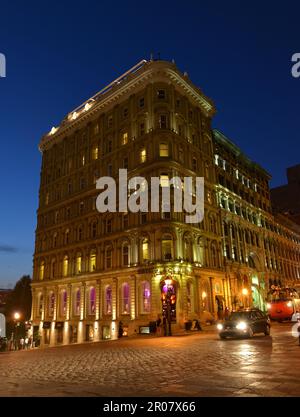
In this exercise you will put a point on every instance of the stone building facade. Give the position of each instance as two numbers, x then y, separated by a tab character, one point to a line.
93	271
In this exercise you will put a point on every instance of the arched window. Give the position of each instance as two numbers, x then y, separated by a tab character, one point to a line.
93	261
167	247
108	257
92	300
51	304
40	305
42	270
125	255
190	297
125	305
145	250
55	240
145	287
188	249
78	263
63	303
76	303
108	300
214	256
65	266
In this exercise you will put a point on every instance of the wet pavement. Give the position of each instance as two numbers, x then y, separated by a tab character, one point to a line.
185	365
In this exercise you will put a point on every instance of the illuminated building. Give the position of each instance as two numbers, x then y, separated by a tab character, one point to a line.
93	270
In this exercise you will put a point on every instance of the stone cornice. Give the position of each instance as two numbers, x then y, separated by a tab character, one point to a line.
150	72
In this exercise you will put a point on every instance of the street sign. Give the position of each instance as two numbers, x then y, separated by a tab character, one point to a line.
2	325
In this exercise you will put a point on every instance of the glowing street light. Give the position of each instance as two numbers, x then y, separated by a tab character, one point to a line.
17	316
245	291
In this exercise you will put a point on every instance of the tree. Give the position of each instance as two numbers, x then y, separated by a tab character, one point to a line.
20	300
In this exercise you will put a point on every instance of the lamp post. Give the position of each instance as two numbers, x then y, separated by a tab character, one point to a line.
17	317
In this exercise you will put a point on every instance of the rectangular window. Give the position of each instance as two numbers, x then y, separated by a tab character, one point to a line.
162	121
145	249
124	140
142	129
125	112
95	152
125	163
163	150
143	218
164	180
161	94
142	102
110	121
143	155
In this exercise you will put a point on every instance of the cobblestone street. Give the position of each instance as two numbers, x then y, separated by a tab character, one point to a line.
188	365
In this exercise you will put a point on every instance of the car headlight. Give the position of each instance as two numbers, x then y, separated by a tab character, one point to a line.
220	326
241	325
268	306
289	304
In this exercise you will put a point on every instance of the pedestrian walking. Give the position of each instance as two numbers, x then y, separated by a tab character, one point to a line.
22	342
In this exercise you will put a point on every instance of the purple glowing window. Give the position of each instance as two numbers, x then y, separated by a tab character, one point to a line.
126	299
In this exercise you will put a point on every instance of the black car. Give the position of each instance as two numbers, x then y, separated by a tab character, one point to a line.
244	323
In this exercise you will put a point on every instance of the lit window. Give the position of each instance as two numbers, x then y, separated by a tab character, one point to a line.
95	152
92	261
78	263
65	266
145	287
51	304
163	150
143	155
164	180
145	250
47	199
125	298
92	301
124	138
108	300
42	270
63	303
83	160
76	304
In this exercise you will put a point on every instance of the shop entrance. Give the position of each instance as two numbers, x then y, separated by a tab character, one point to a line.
169	298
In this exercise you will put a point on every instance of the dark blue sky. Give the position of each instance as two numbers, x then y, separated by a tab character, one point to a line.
60	53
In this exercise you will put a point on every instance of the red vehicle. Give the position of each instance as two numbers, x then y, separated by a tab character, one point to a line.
282	303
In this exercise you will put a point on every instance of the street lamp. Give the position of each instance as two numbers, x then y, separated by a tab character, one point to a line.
17	317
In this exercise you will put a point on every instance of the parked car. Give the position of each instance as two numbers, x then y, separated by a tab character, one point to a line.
244	323
3	344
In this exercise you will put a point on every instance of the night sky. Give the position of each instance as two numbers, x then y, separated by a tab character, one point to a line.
61	53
